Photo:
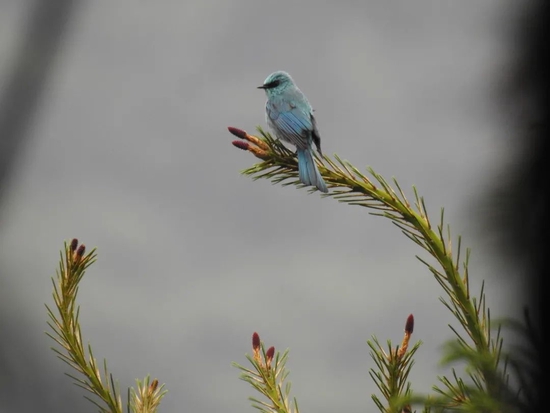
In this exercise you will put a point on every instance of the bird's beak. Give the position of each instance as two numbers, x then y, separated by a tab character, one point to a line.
261	87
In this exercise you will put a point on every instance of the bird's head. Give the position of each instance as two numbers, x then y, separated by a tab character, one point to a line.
276	83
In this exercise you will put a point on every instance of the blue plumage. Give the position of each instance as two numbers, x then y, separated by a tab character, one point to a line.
289	115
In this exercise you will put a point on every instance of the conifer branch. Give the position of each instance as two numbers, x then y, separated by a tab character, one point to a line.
392	371
64	323
269	377
350	186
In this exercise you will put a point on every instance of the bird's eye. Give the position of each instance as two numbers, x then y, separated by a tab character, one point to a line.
273	84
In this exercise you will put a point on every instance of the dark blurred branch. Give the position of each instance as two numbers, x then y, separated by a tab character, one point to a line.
521	204
30	69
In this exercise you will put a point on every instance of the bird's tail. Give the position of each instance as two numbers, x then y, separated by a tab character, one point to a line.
309	174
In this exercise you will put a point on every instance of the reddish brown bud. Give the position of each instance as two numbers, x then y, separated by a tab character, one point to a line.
241	145
256	348
409	326
80	252
74	244
255	341
269	356
239	133
153	386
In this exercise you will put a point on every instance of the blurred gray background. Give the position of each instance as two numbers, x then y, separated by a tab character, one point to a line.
122	143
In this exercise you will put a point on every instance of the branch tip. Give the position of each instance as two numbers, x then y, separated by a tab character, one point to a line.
269	356
239	133
153	386
409	326
255	341
256	347
241	145
81	250
77	256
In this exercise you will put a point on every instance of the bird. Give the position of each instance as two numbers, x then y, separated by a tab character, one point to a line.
290	116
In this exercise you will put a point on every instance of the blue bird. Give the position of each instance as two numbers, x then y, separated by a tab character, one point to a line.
289	115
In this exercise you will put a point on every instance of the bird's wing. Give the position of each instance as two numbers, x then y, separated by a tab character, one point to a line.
315	135
293	124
